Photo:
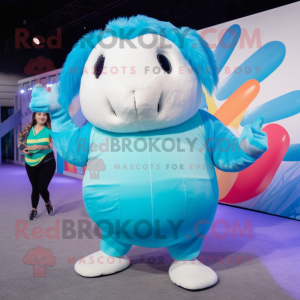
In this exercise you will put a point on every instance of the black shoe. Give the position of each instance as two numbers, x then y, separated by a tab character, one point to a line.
49	208
33	215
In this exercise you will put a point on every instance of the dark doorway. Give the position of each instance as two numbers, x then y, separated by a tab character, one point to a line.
7	141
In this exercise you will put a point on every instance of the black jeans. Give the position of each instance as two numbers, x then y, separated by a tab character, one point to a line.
40	177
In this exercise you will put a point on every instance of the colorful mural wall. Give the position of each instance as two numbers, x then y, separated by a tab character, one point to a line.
258	60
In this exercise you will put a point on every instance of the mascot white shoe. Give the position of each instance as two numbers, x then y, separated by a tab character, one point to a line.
149	147
192	274
99	263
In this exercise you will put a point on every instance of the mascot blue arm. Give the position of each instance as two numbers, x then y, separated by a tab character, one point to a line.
66	135
229	153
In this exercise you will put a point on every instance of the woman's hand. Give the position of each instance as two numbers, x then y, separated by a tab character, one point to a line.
26	151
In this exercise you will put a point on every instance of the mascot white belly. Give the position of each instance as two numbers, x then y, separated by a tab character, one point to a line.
150	152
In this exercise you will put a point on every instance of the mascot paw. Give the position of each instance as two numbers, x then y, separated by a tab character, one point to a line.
46	102
99	263
192	275
253	141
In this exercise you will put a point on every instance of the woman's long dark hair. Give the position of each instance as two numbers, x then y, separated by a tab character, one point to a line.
33	121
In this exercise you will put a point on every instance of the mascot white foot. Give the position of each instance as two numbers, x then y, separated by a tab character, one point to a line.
192	275
99	263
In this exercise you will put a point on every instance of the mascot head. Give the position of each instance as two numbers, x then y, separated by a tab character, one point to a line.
138	74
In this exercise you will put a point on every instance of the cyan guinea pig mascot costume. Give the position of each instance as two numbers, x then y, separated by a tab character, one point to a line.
149	149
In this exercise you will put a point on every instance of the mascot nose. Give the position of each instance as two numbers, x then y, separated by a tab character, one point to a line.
147	103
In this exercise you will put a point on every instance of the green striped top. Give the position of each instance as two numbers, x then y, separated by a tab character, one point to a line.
41	138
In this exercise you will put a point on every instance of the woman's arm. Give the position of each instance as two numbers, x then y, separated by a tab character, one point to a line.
34	147
41	147
50	145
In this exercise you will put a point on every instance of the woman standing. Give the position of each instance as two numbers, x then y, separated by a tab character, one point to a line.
39	161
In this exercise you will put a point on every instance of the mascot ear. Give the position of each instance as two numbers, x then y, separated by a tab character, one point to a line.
73	67
201	58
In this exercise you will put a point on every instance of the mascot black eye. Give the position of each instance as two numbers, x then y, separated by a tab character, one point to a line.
164	63
99	66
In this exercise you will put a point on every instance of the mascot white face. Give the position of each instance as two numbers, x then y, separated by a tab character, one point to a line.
138	85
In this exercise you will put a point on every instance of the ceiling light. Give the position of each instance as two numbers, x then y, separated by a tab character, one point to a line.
36	41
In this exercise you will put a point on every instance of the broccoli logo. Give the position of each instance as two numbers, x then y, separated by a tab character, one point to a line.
38	66
39	258
95	165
